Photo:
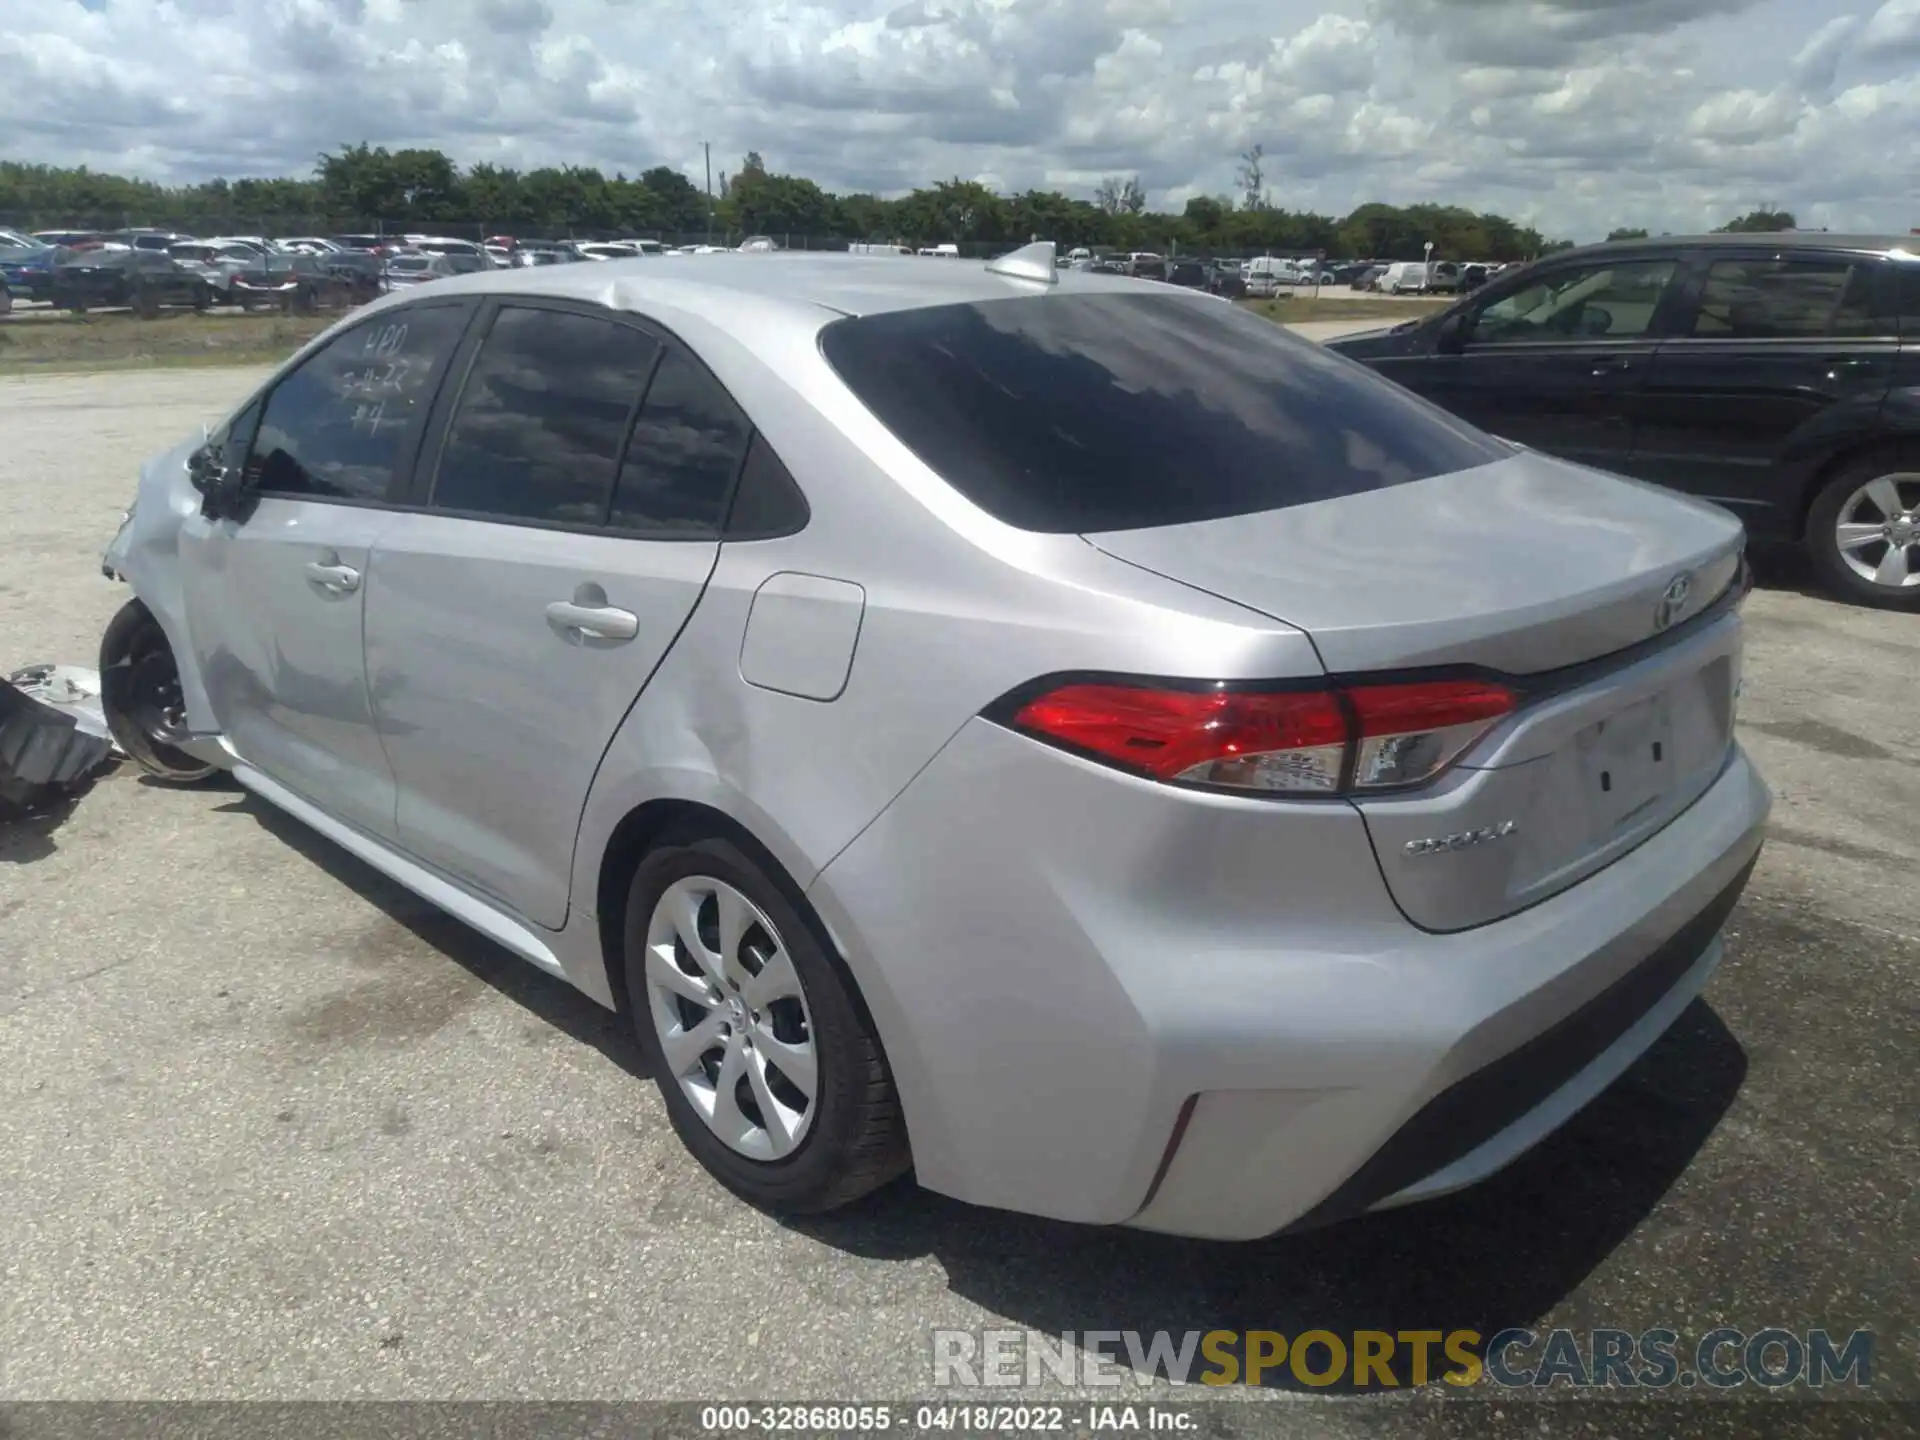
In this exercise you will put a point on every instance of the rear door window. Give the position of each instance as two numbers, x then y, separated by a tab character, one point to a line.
1788	299
1084	413
686	450
1906	292
540	423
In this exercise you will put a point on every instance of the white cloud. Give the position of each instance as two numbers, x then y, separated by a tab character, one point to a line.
1576	115
1894	31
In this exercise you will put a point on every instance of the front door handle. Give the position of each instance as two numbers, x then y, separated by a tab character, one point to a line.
602	622
1611	367
340	579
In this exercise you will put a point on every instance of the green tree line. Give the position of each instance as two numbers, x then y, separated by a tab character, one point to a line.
359	187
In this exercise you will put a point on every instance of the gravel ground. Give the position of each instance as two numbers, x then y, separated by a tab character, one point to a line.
272	1129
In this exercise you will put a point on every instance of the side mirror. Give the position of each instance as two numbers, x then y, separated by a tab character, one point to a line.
1450	338
223	487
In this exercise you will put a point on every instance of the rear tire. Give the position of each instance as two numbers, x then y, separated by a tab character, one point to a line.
140	696
1863	530
777	994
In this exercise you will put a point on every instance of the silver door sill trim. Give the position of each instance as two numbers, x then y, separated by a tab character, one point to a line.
495	924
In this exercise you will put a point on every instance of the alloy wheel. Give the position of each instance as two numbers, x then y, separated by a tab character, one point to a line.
731	1016
1878	531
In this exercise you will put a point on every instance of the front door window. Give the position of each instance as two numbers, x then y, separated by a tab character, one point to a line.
1613	301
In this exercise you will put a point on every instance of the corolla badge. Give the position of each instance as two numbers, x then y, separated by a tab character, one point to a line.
1460	839
1673	601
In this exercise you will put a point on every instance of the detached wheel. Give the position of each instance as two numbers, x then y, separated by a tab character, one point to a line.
1863	530
771	1074
140	696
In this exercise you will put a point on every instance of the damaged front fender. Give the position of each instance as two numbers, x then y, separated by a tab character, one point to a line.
146	554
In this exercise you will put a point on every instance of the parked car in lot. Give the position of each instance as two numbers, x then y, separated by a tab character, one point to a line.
862	677
1473	276
372	244
1403	277
603	250
1224	278
160	241
143	280
27	272
405	270
1268	275
1190	274
302	284
1443	278
1777	375
215	263
70	239
1367	278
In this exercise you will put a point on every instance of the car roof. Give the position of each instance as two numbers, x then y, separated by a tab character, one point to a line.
837	282
1762	239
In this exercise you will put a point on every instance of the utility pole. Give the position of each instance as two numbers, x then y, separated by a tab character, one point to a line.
706	148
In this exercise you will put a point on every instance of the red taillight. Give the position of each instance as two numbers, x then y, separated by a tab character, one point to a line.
1410	733
1304	742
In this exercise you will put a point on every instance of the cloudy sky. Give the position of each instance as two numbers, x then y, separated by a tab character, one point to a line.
1577	115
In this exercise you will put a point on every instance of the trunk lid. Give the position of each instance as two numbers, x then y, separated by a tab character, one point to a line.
1551	574
1525	565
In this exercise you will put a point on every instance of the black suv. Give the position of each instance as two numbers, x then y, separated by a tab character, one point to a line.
1777	375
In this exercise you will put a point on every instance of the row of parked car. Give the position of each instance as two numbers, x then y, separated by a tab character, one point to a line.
151	270
1268	275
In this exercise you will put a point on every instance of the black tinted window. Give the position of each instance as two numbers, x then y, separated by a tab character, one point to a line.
1604	300
341	424
1906	289
767	502
1786	299
685	451
1105	412
538	429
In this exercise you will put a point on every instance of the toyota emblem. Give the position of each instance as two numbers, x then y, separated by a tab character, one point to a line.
1673	602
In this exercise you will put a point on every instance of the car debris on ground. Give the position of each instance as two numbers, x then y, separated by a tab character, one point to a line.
53	735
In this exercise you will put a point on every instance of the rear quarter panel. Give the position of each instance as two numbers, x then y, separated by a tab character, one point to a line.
958	610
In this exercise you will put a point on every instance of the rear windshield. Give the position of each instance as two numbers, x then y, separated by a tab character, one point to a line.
1083	413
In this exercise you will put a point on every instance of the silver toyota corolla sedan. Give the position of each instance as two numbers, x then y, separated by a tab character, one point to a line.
1057	733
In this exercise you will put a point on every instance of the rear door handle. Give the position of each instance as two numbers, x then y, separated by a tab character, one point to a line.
603	622
340	579
1611	367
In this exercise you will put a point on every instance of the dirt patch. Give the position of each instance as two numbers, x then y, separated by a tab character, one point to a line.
43	341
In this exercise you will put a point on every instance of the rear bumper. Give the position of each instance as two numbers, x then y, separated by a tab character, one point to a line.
1614	964
1481	1123
1112	1002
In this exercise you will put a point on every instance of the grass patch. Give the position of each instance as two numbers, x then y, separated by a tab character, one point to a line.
1296	309
34	342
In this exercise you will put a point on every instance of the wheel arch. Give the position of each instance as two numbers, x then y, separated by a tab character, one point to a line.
1903	442
674	820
